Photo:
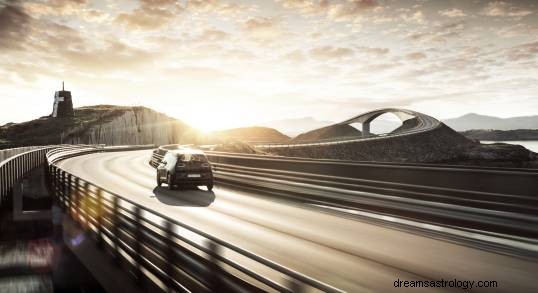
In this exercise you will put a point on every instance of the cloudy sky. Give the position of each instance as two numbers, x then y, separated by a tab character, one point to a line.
218	64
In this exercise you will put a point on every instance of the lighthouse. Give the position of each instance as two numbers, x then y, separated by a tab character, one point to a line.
63	104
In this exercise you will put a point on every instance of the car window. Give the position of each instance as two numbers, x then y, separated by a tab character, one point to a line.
192	158
170	159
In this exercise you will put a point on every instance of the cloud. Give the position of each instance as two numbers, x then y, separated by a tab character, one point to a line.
330	52
504	9
351	9
55	7
199	73
454	12
377	52
113	56
150	15
212	35
306	6
523	52
296	56
415	56
216	6
417	17
15	24
262	27
439	32
517	30
335	10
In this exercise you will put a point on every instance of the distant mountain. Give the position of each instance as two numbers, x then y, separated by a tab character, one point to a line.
251	134
293	127
476	121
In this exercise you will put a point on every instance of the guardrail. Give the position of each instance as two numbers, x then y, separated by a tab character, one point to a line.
422	192
8	153
501	181
19	163
169	253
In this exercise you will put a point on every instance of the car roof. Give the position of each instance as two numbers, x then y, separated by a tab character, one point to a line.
186	151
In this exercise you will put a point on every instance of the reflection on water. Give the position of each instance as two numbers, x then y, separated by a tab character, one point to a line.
530	144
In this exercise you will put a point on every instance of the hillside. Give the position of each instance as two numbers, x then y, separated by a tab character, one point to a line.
406	125
506	135
102	124
441	145
476	121
328	132
250	134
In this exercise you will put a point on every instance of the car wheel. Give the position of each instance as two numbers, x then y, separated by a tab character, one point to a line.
170	182
210	187
159	182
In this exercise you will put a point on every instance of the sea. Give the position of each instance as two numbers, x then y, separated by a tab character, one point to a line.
529	144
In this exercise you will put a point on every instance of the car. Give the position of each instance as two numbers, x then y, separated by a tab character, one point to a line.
185	167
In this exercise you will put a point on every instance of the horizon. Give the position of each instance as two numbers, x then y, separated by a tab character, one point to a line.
259	61
385	117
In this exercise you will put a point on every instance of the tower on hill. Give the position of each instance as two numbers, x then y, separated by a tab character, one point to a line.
63	104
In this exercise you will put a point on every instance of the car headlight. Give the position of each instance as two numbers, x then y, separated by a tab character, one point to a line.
206	165
180	165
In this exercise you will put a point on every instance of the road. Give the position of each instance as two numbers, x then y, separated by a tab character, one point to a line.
344	252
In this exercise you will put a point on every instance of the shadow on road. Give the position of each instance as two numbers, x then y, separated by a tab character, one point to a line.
192	197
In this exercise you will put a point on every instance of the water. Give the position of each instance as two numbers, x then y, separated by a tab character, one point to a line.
529	144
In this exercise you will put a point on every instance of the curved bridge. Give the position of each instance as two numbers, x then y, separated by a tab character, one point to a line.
423	123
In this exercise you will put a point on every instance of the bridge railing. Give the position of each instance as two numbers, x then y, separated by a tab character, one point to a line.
19	162
165	251
507	181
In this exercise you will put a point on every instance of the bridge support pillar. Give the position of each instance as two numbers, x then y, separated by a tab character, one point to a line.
366	129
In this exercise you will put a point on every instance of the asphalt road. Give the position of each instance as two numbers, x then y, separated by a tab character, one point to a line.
346	253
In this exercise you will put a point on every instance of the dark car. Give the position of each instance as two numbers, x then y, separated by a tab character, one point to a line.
185	167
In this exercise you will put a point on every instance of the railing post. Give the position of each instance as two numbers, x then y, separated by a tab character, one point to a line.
84	205
63	188
69	202
99	218
170	253
295	286
116	229
76	202
214	277
139	238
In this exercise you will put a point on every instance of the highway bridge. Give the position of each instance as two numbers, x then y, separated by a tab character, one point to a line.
424	123
291	224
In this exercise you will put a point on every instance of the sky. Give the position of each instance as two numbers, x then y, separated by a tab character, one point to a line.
221	64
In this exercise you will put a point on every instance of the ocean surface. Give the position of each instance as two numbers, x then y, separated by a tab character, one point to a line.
529	144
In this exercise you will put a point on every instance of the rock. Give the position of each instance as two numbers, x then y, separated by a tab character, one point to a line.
102	124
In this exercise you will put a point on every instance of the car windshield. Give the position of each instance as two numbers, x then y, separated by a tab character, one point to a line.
192	158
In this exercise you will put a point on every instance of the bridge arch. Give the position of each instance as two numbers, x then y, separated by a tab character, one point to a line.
403	114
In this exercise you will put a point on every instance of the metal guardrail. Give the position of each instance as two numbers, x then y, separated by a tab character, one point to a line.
8	153
502	181
17	166
348	185
510	215
156	247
